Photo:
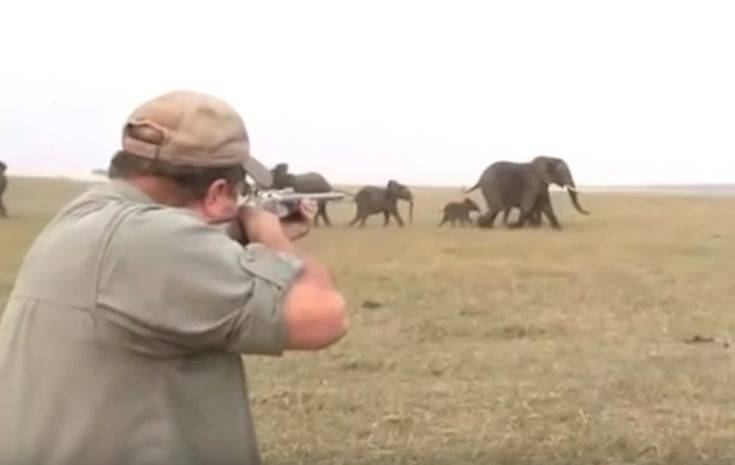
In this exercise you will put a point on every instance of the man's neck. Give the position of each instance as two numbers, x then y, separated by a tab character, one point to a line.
160	190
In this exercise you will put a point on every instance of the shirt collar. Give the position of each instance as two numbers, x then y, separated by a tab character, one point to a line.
129	192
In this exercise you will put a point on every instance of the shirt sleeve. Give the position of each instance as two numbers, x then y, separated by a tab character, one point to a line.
170	285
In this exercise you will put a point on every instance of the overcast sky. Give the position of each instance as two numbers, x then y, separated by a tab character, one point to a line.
425	92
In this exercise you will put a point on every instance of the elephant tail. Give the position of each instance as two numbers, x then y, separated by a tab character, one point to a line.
467	191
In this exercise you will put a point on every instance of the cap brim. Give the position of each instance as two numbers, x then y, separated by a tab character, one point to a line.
256	170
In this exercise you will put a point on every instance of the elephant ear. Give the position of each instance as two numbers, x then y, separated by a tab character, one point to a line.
393	189
544	167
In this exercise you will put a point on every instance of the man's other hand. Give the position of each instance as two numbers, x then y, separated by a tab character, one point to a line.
298	224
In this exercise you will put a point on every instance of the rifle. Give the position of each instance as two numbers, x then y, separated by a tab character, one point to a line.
285	202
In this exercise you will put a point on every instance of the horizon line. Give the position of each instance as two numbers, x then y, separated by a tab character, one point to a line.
95	177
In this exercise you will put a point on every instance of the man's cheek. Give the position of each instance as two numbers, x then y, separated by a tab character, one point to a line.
231	209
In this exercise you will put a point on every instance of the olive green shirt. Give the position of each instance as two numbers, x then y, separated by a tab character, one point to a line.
121	341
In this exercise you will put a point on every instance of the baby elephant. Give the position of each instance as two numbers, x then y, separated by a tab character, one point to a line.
459	211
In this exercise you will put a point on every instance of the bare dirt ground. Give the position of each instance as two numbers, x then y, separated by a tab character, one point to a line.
606	343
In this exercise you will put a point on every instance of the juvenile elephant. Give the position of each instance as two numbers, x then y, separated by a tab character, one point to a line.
306	183
371	200
526	186
459	211
3	186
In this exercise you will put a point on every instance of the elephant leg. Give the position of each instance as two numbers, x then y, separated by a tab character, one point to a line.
521	222
318	215
491	215
395	213
322	211
386	218
534	219
3	211
548	210
506	214
529	202
355	219
362	221
487	220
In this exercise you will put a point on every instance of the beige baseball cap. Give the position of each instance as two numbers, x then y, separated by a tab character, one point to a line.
192	129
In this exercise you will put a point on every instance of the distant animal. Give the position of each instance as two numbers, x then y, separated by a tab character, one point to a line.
371	200
306	183
526	186
459	212
371	304
3	186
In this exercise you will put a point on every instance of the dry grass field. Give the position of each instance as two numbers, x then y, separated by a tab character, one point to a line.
586	346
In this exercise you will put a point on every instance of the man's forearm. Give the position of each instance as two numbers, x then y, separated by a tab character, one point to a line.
264	228
312	271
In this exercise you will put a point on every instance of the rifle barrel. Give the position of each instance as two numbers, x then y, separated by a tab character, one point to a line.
314	196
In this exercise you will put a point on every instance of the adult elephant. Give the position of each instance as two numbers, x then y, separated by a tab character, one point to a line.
3	185
371	200
304	183
525	186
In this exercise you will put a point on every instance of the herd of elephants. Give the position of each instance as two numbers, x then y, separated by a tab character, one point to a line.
504	185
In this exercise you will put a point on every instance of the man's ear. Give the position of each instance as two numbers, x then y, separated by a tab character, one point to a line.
218	201
220	187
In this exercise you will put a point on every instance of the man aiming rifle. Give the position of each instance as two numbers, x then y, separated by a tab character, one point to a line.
122	339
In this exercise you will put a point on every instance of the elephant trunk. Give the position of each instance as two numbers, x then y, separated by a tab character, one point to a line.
572	190
410	211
